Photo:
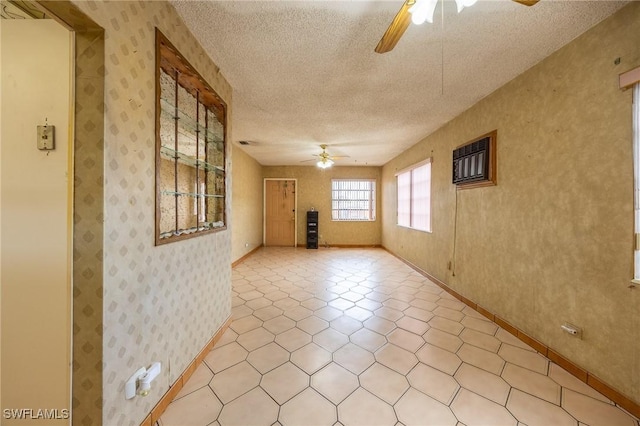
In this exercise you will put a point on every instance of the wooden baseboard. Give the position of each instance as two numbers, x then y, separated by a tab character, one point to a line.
174	389
582	374
345	246
243	258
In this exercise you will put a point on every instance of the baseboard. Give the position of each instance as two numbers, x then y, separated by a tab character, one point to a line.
582	374
243	258
174	389
345	246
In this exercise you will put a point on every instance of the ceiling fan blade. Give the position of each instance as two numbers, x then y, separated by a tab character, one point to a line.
397	27
527	2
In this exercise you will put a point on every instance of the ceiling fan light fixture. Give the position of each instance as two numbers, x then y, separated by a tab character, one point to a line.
461	4
423	10
325	163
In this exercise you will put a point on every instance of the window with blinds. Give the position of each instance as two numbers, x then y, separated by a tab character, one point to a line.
353	199
414	196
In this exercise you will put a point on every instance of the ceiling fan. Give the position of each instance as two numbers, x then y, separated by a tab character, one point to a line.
324	159
418	11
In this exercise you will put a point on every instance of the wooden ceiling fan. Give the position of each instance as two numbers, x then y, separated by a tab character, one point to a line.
402	20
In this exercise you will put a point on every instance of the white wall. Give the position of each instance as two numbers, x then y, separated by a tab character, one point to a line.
35	284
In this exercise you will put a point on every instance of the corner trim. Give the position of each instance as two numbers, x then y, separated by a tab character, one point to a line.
176	387
580	373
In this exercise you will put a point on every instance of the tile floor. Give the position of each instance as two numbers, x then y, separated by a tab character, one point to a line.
356	337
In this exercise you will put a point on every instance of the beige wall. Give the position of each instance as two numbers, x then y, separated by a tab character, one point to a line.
160	303
35	202
314	190
246	211
552	242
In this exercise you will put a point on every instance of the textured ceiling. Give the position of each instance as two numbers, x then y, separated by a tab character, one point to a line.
305	73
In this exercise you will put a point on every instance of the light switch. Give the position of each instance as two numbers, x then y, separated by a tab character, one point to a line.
46	137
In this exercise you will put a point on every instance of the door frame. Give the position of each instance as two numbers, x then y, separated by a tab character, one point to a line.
264	210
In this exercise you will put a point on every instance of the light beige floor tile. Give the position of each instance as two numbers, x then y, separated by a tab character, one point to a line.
415	408
330	339
328	313
446	325
439	358
434	383
533	383
255	338
245	324
240	311
567	380
268	357
405	339
417	313
447	313
472	409
228	337
353	358
358	313
293	339
198	408
311	358
334	382
286	303
263	412
396	358
363	408
443	340
379	325
225	356
235	381
284	382
483	383
297	313
313	304
527	359
279	324
413	325
594	412
480	340
199	379
257	304
482	359
346	325
384	383
368	339
267	313
341	304
300	283
389	313
482	325
308	408
312	325
535	412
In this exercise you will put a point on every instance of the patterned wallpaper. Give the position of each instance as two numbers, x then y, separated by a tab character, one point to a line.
158	303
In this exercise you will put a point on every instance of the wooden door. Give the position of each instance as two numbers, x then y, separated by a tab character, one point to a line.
280	204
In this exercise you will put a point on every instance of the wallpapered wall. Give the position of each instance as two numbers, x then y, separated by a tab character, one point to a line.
247	204
160	303
314	190
552	242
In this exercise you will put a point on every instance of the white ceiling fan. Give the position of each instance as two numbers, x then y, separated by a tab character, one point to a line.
324	159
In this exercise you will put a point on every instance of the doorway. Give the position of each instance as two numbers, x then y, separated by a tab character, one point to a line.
280	202
36	190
